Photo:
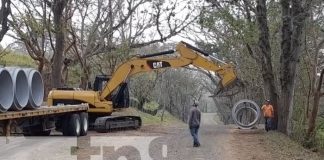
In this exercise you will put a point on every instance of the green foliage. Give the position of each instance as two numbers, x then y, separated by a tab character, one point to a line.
319	138
12	59
141	86
167	118
286	148
229	26
300	124
74	76
299	119
148	119
152	106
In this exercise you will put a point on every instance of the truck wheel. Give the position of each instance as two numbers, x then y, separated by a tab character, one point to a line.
84	123
65	128
136	124
107	126
72	125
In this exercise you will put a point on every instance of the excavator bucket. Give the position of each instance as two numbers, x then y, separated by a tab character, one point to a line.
232	87
228	83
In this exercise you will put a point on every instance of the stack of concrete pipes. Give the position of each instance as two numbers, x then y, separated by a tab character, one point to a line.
20	88
246	114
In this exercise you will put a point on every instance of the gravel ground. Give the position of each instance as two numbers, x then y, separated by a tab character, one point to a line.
175	139
172	141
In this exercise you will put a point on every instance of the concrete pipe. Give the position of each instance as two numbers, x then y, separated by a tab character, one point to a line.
35	88
254	108
239	108
242	124
20	86
6	90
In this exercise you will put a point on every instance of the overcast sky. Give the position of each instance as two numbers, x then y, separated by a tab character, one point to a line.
7	40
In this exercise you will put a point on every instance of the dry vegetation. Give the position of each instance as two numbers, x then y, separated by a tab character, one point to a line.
12	59
258	144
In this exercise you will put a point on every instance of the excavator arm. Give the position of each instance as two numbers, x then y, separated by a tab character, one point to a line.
100	102
188	55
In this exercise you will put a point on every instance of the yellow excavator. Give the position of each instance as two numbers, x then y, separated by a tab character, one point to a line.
110	94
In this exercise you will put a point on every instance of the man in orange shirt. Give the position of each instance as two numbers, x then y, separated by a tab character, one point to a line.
267	110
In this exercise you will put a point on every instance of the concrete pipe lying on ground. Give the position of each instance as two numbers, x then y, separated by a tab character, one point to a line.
20	87
246	104
35	88
6	90
240	121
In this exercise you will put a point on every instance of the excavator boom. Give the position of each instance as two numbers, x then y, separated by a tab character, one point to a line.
189	55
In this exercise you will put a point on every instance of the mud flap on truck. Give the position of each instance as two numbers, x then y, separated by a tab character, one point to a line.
105	124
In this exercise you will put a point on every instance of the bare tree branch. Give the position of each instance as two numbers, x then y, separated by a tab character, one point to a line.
4	13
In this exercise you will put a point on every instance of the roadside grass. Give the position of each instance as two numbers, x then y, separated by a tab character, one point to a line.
12	59
286	148
148	119
320	138
152	106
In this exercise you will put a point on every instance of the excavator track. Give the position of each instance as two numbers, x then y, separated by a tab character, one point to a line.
108	123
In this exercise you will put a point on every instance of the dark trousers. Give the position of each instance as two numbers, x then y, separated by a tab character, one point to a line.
194	134
268	123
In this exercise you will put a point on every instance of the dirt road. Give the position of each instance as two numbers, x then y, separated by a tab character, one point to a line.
174	142
164	142
218	142
210	119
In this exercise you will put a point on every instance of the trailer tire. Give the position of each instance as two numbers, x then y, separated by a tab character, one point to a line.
84	123
136	124
64	123
72	125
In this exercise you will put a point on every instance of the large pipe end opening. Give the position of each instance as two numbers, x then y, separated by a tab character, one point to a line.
21	89
20	86
6	90
37	89
246	114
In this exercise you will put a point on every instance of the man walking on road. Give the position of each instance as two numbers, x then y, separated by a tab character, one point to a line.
267	110
194	123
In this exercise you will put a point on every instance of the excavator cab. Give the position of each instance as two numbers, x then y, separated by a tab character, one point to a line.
100	82
119	97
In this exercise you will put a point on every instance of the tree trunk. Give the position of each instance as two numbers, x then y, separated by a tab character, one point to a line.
57	8
4	13
286	102
292	32
223	111
47	79
265	57
40	65
85	75
312	118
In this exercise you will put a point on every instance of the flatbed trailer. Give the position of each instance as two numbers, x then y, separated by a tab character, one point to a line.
71	120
